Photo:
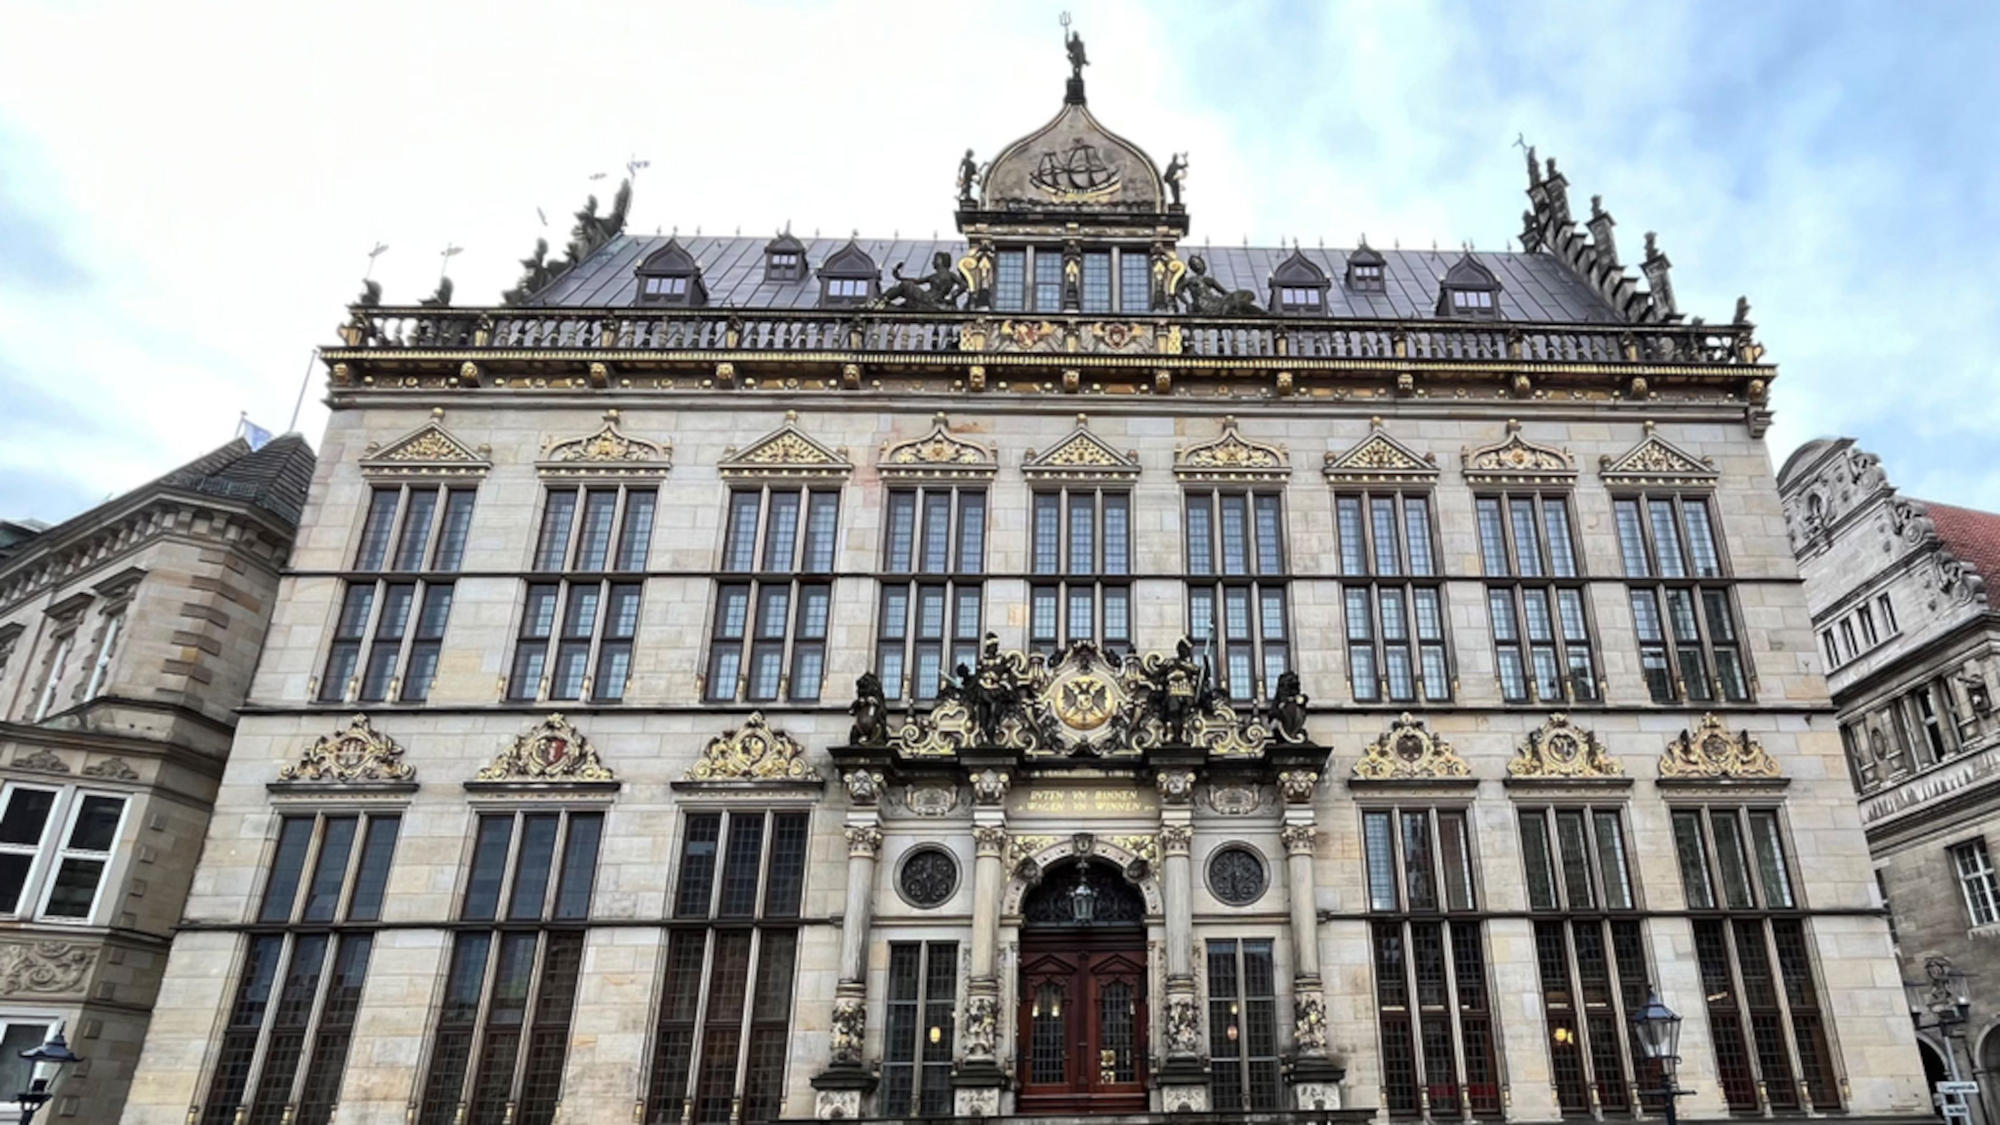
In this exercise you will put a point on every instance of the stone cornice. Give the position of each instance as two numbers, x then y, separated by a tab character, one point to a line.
100	539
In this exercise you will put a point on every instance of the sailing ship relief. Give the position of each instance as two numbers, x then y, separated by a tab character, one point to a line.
1076	176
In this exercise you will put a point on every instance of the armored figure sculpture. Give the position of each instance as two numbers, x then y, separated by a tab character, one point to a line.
1288	709
1177	691
1204	296
1176	172
994	691
870	711
938	289
968	177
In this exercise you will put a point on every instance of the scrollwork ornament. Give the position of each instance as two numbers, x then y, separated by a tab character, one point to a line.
1298	786
849	1028
753	752
1560	749
1711	752
864	841
1299	839
1409	751
357	753
551	750
45	967
1309	1023
1183	1026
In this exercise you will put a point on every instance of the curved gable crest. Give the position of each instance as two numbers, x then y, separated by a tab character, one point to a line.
786	452
1231	456
429	450
1081	455
608	452
1516	460
1657	461
1380	459
937	455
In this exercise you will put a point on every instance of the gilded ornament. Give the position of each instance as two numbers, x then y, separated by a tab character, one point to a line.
1025	848
1710	752
1515	459
937	450
1656	461
754	752
1298	838
1559	749
1145	848
1409	751
989	786
1230	456
550	751
1176	786
430	447
357	753
786	451
1081	453
1379	458
864	840
609	445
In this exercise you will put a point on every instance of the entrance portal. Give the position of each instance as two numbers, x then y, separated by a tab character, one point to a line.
1083	993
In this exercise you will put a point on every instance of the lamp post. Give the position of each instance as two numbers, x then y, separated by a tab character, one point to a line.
48	1061
1942	995
1658	1029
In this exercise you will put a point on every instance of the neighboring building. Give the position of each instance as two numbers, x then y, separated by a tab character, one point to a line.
128	636
1902	593
608	763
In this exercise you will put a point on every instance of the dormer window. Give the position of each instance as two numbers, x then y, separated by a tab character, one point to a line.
1365	270
849	277
1469	290
784	259
1299	286
670	276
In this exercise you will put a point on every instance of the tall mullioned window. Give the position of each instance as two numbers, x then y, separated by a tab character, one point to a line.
1393	599
1690	648
934	553
775	596
284	1045
1591	954
1535	599
1237	587
1432	993
581	612
1080	567
726	1001
918	1039
1767	1025
502	1037
390	631
1243	1026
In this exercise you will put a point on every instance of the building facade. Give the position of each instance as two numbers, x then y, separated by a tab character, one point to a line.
1076	673
128	636
1900	596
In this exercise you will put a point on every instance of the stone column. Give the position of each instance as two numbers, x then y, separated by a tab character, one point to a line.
979	1078
1183	1081
1315	1078
847	1078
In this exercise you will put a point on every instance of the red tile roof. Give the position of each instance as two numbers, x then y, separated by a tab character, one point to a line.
1973	536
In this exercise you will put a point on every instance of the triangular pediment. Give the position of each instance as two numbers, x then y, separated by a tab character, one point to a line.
1656	460
1231	457
429	450
608	452
786	452
1516	460
939	454
1379	458
1081	454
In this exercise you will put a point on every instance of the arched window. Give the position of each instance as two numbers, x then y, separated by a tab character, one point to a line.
1299	287
671	276
784	258
1365	270
1469	289
849	277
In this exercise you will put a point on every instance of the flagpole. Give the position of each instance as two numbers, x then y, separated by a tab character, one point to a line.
300	402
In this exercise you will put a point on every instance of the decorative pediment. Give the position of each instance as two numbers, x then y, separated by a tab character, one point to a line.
1380	459
609	452
1558	749
1081	455
937	455
785	453
550	752
1656	461
1231	457
753	752
1711	753
429	451
357	754
41	760
1408	751
1516	460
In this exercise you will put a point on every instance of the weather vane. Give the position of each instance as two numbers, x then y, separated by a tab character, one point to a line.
372	255
444	258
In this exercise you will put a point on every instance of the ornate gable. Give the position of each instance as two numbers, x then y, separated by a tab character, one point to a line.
1711	753
1407	751
428	451
1656	461
1560	750
357	754
609	452
784	453
754	752
552	752
1516	460
1380	459
1081	455
1231	457
938	455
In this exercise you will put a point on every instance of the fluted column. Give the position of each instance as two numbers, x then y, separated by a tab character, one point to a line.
1315	1081
1183	1084
979	1078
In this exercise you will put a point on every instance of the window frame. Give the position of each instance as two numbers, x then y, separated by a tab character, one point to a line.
757	579
1405	579
432	577
623	575
51	848
922	1067
900	646
1550	586
1259	1080
1121	296
1097	581
55	666
1984	873
1211	580
48	1024
1660	588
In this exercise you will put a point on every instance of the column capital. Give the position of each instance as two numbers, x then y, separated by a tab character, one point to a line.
1298	786
864	841
990	839
1176	785
1176	839
1298	838
989	786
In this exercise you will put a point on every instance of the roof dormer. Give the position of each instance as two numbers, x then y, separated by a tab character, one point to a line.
1469	290
849	277
785	258
1366	270
1299	287
670	276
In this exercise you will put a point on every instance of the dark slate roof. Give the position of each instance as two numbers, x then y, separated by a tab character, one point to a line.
274	478
1534	287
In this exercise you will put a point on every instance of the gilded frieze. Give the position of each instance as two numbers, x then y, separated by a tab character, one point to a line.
757	752
1560	749
1408	751
1709	752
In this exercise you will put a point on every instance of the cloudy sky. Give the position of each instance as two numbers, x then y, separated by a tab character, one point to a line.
188	191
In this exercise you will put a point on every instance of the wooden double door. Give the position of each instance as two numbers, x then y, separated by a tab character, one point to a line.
1082	1026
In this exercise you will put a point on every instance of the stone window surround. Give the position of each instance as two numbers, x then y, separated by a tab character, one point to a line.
754	578
962	574
1102	578
1556	573
52	849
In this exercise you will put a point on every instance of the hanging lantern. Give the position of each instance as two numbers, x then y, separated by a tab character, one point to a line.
1083	903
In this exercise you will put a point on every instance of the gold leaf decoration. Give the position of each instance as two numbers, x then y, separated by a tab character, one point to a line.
1710	752
1516	460
1081	454
608	446
1230	457
550	751
1658	462
1560	749
1409	751
357	753
938	453
785	452
753	752
1379	458
430	451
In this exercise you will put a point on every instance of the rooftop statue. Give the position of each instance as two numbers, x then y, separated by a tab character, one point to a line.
371	293
1202	295
1176	172
535	273
938	289
440	299
968	177
1077	59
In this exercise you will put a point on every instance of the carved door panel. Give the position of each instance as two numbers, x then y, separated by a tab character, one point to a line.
1083	1029
1050	1032
1117	1071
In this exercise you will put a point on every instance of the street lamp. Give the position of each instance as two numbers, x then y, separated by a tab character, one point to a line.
1658	1030
1942	995
48	1060
1083	901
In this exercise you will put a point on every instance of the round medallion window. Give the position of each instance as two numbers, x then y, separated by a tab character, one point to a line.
1236	875
928	878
